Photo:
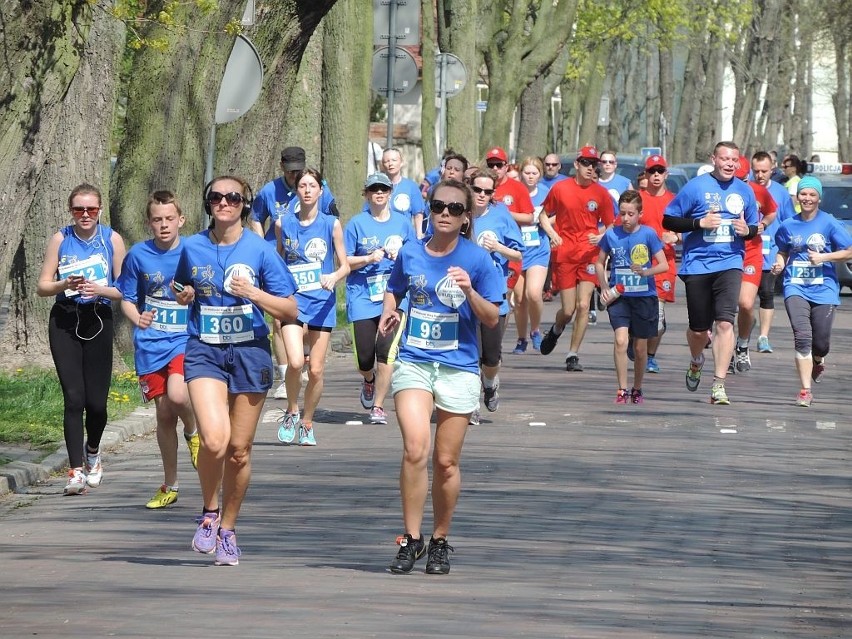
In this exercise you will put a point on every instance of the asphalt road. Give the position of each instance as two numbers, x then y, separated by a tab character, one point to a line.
674	519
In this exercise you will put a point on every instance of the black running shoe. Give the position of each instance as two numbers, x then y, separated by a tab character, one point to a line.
548	342
438	562
410	550
572	363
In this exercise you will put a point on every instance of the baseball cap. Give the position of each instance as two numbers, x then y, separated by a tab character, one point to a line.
656	160
743	168
497	154
588	153
378	178
293	158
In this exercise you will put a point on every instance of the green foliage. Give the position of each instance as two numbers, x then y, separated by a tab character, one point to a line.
31	405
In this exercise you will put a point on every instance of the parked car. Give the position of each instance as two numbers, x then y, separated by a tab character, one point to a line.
630	166
837	200
690	168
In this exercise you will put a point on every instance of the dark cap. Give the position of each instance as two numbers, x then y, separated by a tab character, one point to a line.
293	158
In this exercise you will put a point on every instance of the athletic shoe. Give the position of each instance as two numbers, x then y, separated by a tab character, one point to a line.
474	418
280	392
536	338
732	365
636	396
306	436
693	375
94	470
652	366
572	363
492	398
718	395
763	345
368	393
547	296
622	396
378	415
193	443
165	496
410	550
805	398
204	540
287	429
438	561
631	353
76	482
520	347
598	300
817	372
743	360
548	342
227	552
593	318
305	369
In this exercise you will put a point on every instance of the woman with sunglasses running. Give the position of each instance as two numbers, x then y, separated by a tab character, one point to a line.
451	286
81	263
373	239
229	277
495	230
312	247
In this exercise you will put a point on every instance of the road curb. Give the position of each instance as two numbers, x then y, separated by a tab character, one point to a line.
17	475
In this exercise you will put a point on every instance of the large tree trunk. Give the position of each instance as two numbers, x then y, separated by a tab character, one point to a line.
66	142
457	35
347	66
429	115
841	99
532	123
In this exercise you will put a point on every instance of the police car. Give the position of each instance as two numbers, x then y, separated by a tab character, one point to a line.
836	199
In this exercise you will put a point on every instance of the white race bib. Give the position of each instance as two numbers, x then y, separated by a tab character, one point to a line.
433	331
169	316
227	324
307	276
92	268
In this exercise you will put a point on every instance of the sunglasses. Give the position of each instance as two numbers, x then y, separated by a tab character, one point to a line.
233	198
378	188
587	162
479	189
495	165
607	161
456	209
655	169
551	164
79	211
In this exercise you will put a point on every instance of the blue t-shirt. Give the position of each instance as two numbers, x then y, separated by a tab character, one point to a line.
90	258
706	251
308	251
144	281
783	212
817	283
615	186
216	316
498	223
549	182
536	242
433	176
440	326
625	249
276	199
365	287
407	199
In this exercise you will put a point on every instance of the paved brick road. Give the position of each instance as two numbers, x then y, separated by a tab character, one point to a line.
676	519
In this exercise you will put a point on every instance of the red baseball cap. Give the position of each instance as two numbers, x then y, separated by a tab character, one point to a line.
656	160
497	154
743	168
588	153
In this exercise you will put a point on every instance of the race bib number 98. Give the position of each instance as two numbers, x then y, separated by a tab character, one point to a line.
433	331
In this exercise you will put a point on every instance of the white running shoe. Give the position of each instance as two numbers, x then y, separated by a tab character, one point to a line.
94	470
280	392
76	482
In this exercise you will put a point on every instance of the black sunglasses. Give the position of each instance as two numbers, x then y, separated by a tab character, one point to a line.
551	164
587	162
495	165
378	188
479	189
655	169
456	209
233	198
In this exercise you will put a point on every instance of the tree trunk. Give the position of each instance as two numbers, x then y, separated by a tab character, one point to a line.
532	127
303	120
457	35
592	99
841	99
429	116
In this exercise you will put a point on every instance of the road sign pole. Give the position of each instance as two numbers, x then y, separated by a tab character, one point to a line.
391	64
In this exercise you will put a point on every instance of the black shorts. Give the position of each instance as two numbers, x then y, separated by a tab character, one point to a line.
639	314
712	297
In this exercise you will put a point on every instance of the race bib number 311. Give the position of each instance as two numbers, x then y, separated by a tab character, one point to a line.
169	316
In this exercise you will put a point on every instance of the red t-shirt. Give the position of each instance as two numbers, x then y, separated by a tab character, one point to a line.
765	206
514	195
579	210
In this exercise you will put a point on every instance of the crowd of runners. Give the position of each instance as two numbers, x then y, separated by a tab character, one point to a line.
431	273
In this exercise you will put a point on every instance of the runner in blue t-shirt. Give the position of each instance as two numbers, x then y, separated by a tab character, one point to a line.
159	336
552	170
808	246
452	286
613	182
373	239
716	213
495	230
80	265
312	247
229	277
406	198
631	249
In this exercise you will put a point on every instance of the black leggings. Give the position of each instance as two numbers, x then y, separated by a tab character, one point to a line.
490	342
766	291
81	345
811	324
370	346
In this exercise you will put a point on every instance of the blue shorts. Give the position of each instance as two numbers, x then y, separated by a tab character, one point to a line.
244	367
640	315
454	390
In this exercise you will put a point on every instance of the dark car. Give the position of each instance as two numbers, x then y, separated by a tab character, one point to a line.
630	166
837	200
690	168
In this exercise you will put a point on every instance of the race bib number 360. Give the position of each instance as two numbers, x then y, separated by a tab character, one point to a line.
433	331
227	324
